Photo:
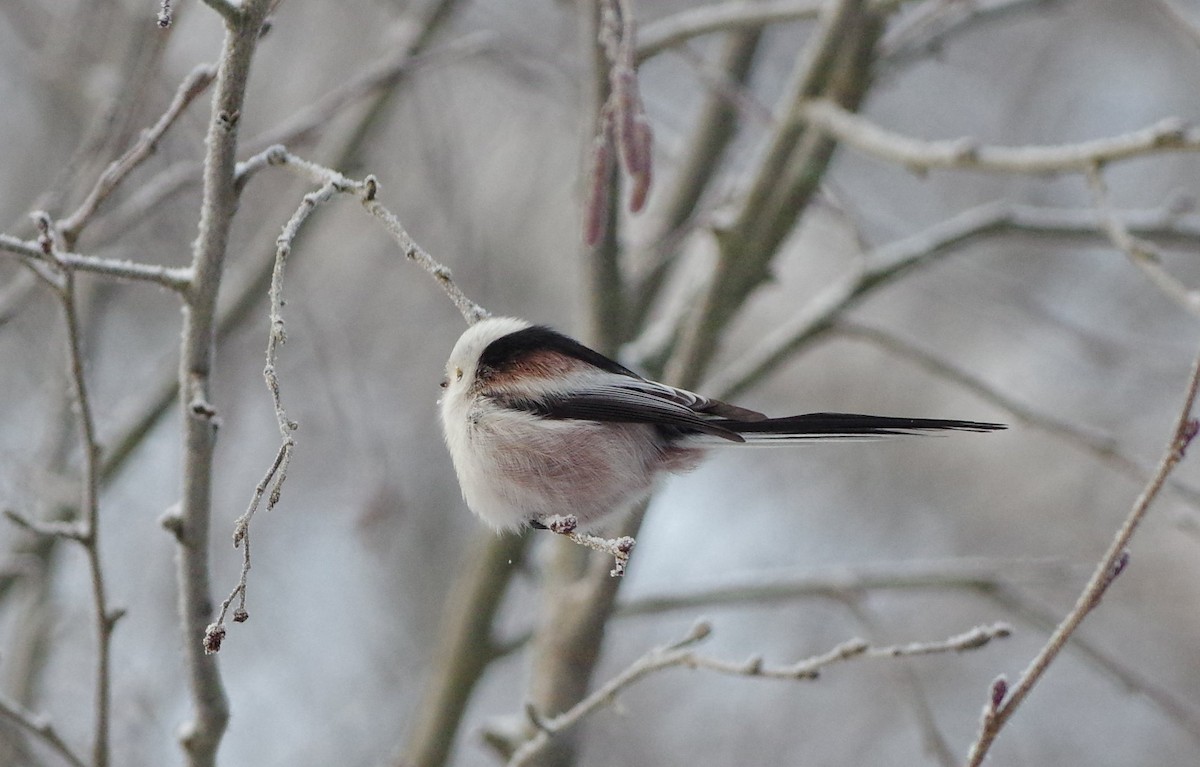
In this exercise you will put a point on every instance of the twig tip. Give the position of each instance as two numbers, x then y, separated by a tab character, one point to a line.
213	636
999	689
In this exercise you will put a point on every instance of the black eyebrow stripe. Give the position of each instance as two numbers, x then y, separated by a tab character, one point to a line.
507	349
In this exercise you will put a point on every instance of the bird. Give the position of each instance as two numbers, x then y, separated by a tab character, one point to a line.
540	426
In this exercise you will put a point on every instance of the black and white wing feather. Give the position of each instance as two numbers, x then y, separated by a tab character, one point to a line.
623	400
601	389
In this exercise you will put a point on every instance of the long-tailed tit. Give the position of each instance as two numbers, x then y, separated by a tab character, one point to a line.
540	426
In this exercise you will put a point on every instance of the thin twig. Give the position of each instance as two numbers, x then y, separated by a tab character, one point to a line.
192	86
367	190
1123	671
1003	702
1142	254
277	473
889	262
68	531
1105	448
841	582
912	692
618	548
1173	221
738	15
332	183
143	200
401	60
919	35
997	580
40	728
86	529
681	654
858	132
471	311
300	126
730	16
168	277
90	521
132	429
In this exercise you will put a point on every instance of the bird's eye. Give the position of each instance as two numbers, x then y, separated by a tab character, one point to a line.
458	374
444	383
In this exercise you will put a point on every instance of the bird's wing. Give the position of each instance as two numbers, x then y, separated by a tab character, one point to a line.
693	401
626	399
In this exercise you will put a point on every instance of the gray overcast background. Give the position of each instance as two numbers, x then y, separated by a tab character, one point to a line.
478	154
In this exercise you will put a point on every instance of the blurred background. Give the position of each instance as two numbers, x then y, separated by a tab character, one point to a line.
480	146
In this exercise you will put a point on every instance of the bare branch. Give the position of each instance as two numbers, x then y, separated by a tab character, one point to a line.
716	126
601	243
40	728
471	311
300	126
332	183
671	31
1003	701
835	63
618	548
912	692
889	262
1102	447
681	654
580	600
622	129
996	580
1172	221
366	191
105	619
1180	20
277	473
192	86
928	28
809	80
174	279
230	11
860	133
731	16
86	529
202	736
70	531
1144	255
1122	671
132	429
459	657
144	200
400	61
842	582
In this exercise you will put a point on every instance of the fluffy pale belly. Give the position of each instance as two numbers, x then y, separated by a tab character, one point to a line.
535	468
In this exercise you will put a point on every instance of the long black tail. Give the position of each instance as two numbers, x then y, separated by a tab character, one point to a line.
817	426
